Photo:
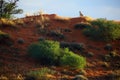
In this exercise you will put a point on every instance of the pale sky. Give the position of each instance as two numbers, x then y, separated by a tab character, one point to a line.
109	9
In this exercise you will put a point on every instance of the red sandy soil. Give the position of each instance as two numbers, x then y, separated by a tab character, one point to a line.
29	33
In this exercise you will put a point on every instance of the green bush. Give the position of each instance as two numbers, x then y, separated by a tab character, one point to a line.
103	30
70	59
50	53
45	51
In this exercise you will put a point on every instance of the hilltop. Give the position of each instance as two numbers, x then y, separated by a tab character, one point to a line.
28	30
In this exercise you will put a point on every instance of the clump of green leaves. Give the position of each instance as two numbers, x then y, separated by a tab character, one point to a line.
45	51
103	30
8	8
70	59
50	53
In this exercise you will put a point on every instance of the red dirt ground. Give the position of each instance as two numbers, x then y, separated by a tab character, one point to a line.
29	33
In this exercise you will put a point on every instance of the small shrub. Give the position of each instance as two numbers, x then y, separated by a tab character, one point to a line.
43	21
113	54
82	72
5	38
38	25
64	44
67	30
103	30
3	35
73	45
57	34
72	60
105	64
41	74
21	41
45	51
78	46
81	25
108	47
41	31
107	57
41	39
90	54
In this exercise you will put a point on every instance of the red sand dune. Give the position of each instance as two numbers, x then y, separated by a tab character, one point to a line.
28	33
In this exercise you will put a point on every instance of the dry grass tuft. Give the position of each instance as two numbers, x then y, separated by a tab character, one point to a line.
62	19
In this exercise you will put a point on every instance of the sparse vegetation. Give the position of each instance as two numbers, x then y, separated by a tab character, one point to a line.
41	74
103	30
61	19
43	21
5	38
42	31
21	41
7	23
115	75
67	30
41	39
73	45
3	35
107	57
38	25
47	40
81	25
19	22
56	34
108	47
90	54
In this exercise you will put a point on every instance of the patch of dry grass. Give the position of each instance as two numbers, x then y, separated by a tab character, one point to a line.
7	22
61	19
